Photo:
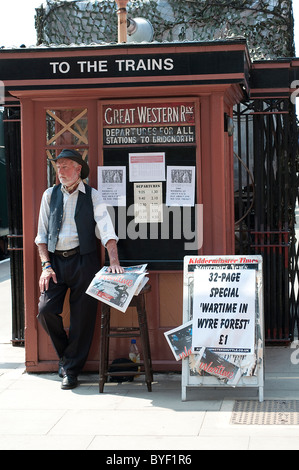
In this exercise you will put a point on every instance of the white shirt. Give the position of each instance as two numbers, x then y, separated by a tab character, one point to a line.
68	235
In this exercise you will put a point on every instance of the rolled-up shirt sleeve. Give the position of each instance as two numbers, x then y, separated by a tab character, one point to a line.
104	226
43	220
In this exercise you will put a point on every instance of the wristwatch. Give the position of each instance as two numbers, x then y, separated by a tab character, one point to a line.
44	263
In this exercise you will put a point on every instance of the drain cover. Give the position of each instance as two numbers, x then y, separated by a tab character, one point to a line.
266	412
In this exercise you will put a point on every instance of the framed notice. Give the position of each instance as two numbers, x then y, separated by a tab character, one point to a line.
223	297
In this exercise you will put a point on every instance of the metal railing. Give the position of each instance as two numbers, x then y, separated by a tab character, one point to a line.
266	144
12	131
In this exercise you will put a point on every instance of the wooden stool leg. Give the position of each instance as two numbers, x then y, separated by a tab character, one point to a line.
104	346
145	341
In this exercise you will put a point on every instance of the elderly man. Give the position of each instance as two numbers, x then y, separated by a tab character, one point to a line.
70	220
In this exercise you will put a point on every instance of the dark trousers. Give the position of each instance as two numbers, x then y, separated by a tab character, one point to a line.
75	273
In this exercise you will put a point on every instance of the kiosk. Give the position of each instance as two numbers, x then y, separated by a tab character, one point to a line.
164	107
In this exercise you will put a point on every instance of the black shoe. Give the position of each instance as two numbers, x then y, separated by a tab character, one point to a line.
61	371
69	382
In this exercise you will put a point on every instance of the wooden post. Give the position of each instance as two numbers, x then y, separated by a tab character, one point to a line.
122	20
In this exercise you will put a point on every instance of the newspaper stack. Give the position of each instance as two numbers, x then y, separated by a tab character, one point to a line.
117	290
225	367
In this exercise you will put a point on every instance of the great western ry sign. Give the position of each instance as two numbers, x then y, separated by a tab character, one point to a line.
149	123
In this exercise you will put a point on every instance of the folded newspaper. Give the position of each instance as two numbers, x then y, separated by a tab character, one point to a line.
204	361
117	290
180	340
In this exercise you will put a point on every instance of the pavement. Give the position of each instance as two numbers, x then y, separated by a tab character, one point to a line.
35	414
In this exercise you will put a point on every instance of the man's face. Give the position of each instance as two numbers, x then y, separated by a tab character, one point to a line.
68	171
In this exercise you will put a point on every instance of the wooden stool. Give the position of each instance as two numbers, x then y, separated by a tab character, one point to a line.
138	301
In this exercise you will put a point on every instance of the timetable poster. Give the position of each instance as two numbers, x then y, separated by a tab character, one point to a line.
148	203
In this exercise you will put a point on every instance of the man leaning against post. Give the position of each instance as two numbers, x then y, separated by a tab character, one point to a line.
71	219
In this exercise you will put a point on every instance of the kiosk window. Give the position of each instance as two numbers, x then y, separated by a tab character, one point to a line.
160	240
65	128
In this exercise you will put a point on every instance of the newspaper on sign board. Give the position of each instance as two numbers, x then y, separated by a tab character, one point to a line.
179	340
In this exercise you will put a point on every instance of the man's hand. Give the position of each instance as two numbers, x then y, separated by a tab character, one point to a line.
45	277
48	273
114	267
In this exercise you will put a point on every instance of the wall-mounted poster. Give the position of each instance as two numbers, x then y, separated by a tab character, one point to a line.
148	166
112	185
180	188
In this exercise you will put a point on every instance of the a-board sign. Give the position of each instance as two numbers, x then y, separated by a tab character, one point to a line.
223	300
